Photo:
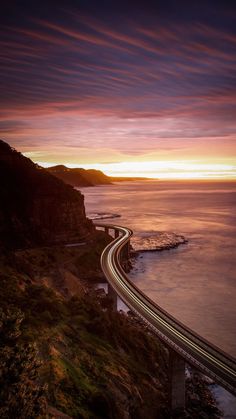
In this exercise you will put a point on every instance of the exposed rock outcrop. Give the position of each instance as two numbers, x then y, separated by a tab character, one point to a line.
35	206
161	240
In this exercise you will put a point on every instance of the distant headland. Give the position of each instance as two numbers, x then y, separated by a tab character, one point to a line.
87	177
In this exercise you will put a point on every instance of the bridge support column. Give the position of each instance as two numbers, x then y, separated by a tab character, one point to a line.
177	380
126	253
116	233
113	296
106	230
128	250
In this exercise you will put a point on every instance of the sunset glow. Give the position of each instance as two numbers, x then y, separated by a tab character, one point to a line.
132	92
117	209
164	169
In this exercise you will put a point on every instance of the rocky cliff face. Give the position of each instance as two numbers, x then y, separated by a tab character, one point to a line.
36	207
60	219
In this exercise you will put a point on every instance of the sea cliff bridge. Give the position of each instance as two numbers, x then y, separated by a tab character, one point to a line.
184	344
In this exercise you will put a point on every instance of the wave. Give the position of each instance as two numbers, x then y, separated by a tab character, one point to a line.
102	215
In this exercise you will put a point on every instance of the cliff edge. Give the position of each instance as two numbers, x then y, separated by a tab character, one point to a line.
36	207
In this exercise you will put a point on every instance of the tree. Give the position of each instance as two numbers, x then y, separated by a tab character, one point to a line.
21	394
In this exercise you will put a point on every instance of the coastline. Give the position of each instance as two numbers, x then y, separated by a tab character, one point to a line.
222	403
208	224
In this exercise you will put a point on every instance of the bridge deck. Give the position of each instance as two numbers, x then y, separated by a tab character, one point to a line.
197	351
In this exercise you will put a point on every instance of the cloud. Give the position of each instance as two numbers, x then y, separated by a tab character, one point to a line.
71	77
11	126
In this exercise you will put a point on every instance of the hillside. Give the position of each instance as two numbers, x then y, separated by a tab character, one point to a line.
61	345
79	176
64	353
35	206
97	364
73	353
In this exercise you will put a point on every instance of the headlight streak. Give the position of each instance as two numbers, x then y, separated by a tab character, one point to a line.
159	319
113	271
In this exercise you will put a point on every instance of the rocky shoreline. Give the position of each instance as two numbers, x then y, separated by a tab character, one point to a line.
102	216
157	241
200	400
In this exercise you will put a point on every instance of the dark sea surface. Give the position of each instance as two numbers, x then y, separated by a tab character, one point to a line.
195	282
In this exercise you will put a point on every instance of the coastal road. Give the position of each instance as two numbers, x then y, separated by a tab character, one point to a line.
197	351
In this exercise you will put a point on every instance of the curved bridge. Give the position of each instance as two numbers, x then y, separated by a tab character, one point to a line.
193	348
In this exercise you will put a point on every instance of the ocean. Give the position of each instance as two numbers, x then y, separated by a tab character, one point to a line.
195	282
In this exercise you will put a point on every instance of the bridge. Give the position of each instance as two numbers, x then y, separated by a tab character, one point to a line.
184	344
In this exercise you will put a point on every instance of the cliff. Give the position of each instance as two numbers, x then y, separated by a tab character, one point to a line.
96	363
36	207
79	177
63	351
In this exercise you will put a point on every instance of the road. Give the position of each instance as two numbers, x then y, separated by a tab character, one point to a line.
197	351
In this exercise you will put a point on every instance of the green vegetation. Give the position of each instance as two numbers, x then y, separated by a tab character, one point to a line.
96	363
21	394
56	333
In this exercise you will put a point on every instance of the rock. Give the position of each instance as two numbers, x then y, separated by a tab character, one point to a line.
200	402
100	292
208	380
156	242
102	215
36	208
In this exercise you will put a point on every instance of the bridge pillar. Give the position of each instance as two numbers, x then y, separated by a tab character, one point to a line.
128	249
116	233
125	256
113	296
126	253
106	230
177	380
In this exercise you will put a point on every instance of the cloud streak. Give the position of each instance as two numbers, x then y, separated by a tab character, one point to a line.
83	75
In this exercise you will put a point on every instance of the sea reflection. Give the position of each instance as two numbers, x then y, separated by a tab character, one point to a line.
195	282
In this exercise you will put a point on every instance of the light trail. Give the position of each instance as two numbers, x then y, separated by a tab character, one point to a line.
196	350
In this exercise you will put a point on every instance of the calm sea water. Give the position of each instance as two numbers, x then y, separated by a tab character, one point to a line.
196	282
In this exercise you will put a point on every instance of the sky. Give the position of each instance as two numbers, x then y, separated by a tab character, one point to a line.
138	89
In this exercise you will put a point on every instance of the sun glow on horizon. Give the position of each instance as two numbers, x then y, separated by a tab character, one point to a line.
161	169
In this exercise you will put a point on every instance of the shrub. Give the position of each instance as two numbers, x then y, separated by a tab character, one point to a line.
21	395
